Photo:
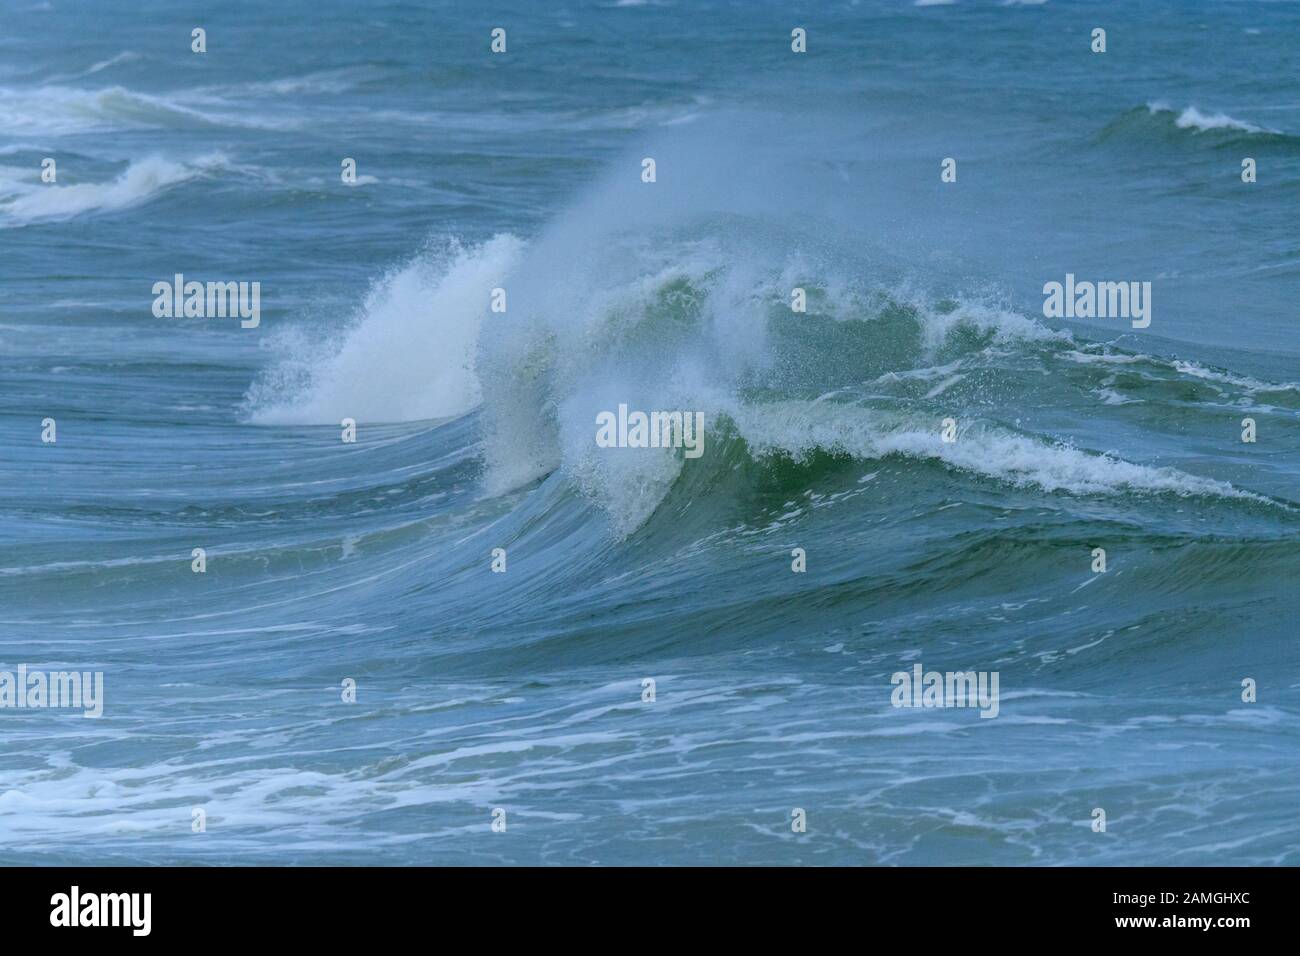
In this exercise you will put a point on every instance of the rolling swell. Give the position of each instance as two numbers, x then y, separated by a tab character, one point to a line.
868	372
822	434
1159	124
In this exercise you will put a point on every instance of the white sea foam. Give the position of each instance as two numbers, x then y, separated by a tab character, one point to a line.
1005	325
1193	119
408	354
1180	367
1111	397
142	181
1104	358
797	428
1196	370
126	56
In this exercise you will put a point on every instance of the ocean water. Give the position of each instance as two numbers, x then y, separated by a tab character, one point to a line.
523	691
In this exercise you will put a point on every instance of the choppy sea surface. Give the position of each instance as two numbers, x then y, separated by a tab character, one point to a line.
523	690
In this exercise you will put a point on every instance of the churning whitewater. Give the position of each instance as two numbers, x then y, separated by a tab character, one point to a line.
399	554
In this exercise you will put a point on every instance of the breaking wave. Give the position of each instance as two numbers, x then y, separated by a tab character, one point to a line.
24	200
665	310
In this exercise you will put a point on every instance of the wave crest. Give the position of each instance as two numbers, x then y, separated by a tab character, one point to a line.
143	180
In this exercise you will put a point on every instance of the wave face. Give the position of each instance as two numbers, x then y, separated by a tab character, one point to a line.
698	320
1159	122
824	443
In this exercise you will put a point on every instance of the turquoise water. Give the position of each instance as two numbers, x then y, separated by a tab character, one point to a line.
523	690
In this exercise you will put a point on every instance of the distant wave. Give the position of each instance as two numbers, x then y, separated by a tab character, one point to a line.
1159	123
62	110
141	181
1193	119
